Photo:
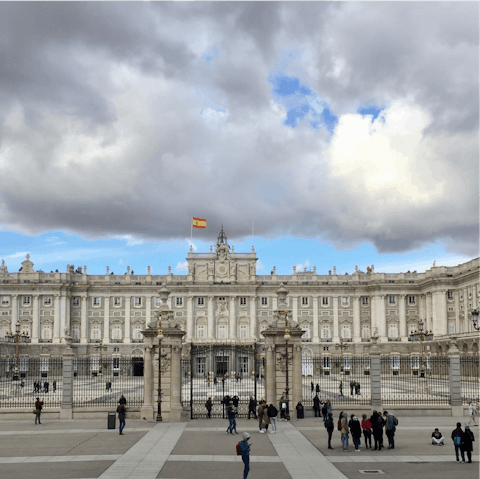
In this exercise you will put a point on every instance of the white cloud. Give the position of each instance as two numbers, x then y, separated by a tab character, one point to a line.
23	254
190	243
260	266
303	266
182	267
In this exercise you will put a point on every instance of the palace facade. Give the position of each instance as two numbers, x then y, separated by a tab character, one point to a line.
222	299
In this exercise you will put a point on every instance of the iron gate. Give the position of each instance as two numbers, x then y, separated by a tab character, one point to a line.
222	373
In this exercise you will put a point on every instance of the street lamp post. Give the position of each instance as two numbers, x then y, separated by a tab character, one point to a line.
341	345
160	337
16	338
101	348
475	319
421	335
287	388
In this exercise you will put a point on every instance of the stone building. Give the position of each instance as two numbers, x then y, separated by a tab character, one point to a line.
223	299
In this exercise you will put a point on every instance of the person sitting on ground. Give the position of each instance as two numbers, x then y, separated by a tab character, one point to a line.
437	437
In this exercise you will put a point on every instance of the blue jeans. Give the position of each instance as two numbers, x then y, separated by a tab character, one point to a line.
246	461
356	441
122	424
345	440
233	424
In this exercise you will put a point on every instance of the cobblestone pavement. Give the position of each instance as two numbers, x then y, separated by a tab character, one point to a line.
67	449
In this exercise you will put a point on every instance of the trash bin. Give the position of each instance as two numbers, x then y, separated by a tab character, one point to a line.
111	420
300	411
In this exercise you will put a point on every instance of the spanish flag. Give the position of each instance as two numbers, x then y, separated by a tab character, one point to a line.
199	223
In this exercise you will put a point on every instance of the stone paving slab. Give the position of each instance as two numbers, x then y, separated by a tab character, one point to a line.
55	470
200	458
71	431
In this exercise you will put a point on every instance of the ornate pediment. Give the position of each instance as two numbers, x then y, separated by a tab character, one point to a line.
27	266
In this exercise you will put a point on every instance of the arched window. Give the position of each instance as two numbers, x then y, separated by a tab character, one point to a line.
46	331
96	332
116	332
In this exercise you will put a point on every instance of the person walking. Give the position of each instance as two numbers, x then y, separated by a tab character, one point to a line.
457	438
208	406
390	428
45	386
283	409
317	389
437	438
231	419
352	386
377	426
245	451
123	401
208	381
252	405
467	443
367	431
311	386
472	410
272	414
344	430
266	417
260	416
340	388
324	411
329	427
38	410
121	410
356	430
54	386
316	405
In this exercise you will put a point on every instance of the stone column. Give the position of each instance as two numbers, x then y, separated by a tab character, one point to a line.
375	378
356	319
428	319
439	313
66	411
127	319
232	327
295	308
316	338
466	322
176	408
189	318
63	314
148	306
147	407
253	317
403	318
14	312
270	374
336	337
381	318
457	312
297	377
106	320
455	380
422	308
68	300
442	300
56	318
210	320
84	321
35	320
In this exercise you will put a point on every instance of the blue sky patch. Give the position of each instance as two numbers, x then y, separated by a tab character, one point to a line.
374	111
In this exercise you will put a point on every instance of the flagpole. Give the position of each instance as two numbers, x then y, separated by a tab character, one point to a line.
191	231
252	232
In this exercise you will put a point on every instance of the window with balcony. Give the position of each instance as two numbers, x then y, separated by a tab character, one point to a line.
306	334
346	334
47	301
222	331
117	301
392	331
96	332
450	294
138	302
365	331
26	300
325	332
116	332
304	301
75	332
137	333
96	302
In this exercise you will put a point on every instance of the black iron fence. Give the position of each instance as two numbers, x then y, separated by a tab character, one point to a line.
469	371
343	381
22	381
102	382
415	380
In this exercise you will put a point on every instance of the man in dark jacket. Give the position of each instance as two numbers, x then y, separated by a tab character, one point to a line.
377	427
121	410
252	406
208	406
272	412
467	442
329	426
457	437
122	400
316	405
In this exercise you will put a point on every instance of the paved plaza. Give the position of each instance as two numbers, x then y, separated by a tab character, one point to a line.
67	449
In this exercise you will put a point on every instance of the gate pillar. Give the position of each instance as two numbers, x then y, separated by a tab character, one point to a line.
147	408
270	371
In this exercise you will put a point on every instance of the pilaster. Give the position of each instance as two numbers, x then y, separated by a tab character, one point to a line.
356	319
14	311
210	320
56	318
336	336
106	320
316	338
35	320
127	317
403	318
84	321
232	328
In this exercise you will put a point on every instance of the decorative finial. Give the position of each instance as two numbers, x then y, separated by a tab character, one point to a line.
294	269
315	269
149	269
211	248
233	249
356	269
253	249
222	237
169	269
85	269
108	269
128	269
28	257
334	270
191	248
3	262
329	272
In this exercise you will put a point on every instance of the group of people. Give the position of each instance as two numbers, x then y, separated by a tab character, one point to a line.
37	386
267	414
373	426
325	409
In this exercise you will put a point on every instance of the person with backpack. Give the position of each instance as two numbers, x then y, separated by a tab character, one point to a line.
244	448
377	426
329	426
316	405
367	431
208	406
343	428
356	430
272	412
390	423
467	443
457	437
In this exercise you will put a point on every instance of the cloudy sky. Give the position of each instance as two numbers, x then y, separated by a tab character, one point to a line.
347	131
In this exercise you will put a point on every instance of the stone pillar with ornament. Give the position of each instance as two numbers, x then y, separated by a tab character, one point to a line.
284	349
163	346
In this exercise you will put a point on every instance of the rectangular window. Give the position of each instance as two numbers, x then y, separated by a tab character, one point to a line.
325	301
117	301
47	301
264	301
365	331
200	301
200	331
325	332
222	332
393	331
76	332
243	301
116	362
347	362
306	334
365	301
137	332
47	332
96	332
243	331
158	302
346	331
411	300
391	299
23	364
179	301
201	362
451	329
243	365
26	329
138	301
117	332
305	301
395	362
75	301
415	362
366	364
26	300
326	362
344	301
5	300
96	301
450	295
